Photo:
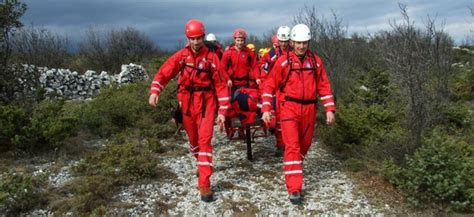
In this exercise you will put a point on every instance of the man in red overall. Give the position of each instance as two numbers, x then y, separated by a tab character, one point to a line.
300	77
238	62
200	88
265	65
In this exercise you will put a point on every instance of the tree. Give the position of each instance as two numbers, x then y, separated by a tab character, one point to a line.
10	13
40	47
419	60
119	46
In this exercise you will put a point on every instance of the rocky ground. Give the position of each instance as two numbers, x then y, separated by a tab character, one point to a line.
244	187
241	186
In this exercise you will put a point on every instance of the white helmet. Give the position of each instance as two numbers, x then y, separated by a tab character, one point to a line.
300	32
283	33
211	37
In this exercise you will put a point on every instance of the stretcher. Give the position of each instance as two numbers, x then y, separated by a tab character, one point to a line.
244	121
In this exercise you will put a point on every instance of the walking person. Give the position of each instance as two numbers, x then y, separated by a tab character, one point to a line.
300	77
265	65
201	88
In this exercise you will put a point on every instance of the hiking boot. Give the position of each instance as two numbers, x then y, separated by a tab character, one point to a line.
206	194
279	151
295	198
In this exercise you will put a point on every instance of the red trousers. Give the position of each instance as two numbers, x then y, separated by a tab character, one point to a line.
198	122
297	124
278	136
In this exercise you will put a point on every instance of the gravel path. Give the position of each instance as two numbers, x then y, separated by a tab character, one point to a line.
243	187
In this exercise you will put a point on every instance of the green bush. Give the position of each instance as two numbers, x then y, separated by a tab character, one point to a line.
90	192
122	159
457	116
12	119
461	85
125	160
41	127
118	108
19	192
441	171
358	128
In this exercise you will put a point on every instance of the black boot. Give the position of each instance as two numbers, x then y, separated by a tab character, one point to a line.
206	194
279	151
295	198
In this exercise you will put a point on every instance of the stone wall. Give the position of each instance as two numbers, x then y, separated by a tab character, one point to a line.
62	83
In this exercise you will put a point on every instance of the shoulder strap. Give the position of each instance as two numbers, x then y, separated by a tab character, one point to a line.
272	52
288	59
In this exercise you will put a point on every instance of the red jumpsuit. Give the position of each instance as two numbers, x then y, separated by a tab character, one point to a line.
199	85
299	83
265	65
238	66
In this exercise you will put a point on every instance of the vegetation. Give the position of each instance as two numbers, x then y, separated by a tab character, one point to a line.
404	112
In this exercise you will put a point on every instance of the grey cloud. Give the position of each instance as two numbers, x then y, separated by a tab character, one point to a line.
163	20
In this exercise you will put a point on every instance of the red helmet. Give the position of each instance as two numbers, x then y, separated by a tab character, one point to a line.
240	33
194	28
275	40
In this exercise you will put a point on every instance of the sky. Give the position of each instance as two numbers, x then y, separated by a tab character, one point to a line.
163	20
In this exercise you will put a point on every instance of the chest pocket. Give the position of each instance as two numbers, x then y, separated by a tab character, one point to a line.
202	68
309	67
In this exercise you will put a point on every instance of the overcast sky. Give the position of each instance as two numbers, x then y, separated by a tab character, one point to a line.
164	20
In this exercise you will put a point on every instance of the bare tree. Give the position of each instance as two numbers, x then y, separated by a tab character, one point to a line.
128	45
10	13
328	41
40	47
418	60
119	46
94	51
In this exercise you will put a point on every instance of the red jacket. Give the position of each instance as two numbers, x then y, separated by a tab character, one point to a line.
198	70
238	66
305	82
265	64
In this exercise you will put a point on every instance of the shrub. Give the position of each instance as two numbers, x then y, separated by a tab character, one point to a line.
19	192
461	85
118	108
42	127
457	116
441	171
122	159
12	119
359	129
125	160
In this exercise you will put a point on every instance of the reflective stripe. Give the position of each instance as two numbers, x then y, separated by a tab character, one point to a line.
293	172
274	57
156	88
204	164
259	105
266	103
205	154
194	148
223	107
326	97
156	82
224	98
213	66
292	162
284	63
328	104
267	95
279	130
